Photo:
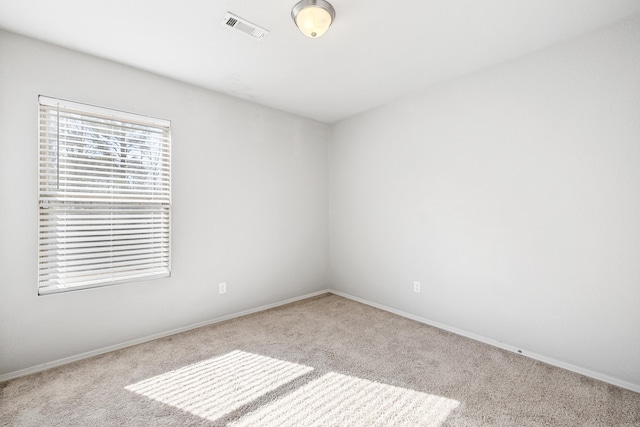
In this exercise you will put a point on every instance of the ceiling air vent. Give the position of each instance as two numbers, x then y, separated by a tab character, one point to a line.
244	26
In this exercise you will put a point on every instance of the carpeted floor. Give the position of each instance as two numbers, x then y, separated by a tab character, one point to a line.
324	361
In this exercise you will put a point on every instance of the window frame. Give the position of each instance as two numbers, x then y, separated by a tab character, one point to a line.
133	197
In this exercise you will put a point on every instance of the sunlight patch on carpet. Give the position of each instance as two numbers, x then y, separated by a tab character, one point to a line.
215	387
336	399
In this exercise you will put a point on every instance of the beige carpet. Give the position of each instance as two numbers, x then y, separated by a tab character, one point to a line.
325	361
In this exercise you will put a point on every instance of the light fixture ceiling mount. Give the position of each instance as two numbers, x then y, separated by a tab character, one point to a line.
313	17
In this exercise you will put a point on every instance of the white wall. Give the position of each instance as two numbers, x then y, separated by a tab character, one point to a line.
513	195
249	207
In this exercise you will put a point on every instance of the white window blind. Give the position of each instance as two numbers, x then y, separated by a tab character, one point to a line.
104	196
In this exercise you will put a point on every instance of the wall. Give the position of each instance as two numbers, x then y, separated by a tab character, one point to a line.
249	207
513	195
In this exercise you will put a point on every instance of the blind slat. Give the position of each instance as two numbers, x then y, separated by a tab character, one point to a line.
76	257
54	286
53	173
61	268
55	199
106	163
52	256
106	273
69	246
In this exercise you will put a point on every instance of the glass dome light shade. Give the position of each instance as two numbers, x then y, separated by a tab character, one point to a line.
313	17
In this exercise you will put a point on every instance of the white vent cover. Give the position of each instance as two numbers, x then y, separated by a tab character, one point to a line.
244	26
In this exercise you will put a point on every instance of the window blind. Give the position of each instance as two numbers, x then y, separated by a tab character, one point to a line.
104	196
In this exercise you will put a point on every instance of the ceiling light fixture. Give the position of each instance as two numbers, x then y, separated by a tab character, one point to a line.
313	17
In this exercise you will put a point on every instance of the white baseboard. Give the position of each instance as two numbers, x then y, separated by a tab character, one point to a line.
548	360
70	359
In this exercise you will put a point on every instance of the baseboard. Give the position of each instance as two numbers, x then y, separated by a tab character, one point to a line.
70	359
504	346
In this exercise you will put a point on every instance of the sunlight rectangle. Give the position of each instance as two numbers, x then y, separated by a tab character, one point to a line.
215	387
335	399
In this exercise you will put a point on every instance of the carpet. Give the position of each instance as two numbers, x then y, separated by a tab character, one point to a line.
323	361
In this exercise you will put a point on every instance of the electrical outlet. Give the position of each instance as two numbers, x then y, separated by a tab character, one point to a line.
416	287
222	287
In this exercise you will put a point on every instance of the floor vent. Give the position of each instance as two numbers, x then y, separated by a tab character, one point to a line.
244	26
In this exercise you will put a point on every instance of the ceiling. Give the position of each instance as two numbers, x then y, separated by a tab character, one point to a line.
376	51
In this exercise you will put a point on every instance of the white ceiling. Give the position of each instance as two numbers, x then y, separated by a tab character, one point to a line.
376	50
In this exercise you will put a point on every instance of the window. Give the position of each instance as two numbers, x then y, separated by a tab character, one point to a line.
104	197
